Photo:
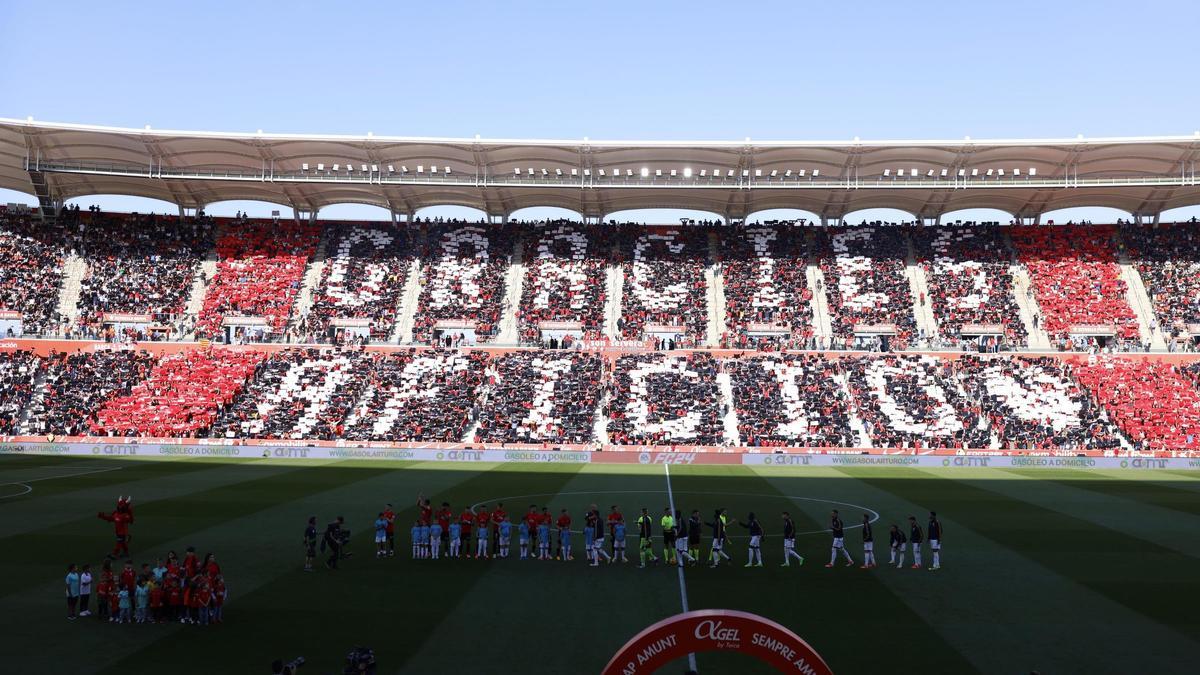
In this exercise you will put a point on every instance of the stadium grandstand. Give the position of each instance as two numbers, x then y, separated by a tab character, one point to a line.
728	334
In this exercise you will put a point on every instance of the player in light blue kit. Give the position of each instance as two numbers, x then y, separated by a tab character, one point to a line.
523	537
455	539
416	540
619	541
423	538
505	534
381	524
588	541
435	538
543	533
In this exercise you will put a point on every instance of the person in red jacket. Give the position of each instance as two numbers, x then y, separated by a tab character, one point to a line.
483	519
156	603
498	516
128	579
104	591
191	564
121	518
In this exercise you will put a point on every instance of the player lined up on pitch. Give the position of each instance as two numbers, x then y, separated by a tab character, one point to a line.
480	533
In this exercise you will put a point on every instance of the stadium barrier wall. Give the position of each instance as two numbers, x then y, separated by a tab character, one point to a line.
648	457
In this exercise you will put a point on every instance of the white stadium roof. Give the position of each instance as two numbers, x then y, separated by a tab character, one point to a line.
1025	177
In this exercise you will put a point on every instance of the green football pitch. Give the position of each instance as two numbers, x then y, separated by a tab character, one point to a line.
1060	571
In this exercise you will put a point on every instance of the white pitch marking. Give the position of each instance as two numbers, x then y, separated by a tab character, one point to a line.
679	568
29	488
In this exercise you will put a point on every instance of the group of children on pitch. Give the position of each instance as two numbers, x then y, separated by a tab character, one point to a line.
188	591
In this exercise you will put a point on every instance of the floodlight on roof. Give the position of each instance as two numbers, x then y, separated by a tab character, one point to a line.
420	168
531	171
516	171
601	172
629	173
673	174
391	169
1033	171
913	172
587	172
349	166
991	171
687	172
574	172
703	173
758	173
974	172
445	169
1016	172
745	173
545	172
962	172
403	168
944	172
1000	172
816	173
729	174
787	174
558	172
801	172
320	167
645	172
929	173
374	168
335	167
364	168
774	173
658	173
304	167
887	172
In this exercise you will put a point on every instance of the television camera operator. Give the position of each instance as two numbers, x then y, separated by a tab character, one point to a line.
335	540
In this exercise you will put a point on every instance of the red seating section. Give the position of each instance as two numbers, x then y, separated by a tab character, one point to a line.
180	397
1076	278
259	272
1154	403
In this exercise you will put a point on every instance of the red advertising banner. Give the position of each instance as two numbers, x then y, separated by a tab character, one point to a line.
710	630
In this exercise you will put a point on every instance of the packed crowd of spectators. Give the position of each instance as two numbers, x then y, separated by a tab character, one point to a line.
665	283
765	283
791	400
565	278
1156	404
18	372
32	257
1168	259
365	270
968	270
77	385
1076	278
914	402
181	397
297	394
464	278
1036	403
661	399
865	282
260	268
541	396
411	395
139	264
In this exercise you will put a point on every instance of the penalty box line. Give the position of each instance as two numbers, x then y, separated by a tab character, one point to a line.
679	568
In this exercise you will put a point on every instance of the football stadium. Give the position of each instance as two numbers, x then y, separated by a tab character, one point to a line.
330	401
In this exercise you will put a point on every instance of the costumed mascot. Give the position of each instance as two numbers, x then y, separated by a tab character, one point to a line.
121	519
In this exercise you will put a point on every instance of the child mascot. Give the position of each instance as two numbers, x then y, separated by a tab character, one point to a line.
121	519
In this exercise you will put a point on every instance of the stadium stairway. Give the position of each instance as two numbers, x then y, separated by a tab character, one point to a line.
35	402
715	281
1027	306
615	281
856	423
513	281
1139	299
312	278
919	286
729	418
600	421
406	313
822	324
74	269
195	303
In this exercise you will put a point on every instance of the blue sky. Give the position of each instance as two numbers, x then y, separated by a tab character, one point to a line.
637	70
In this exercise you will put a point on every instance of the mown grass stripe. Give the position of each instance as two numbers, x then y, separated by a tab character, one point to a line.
776	592
1136	573
1161	494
